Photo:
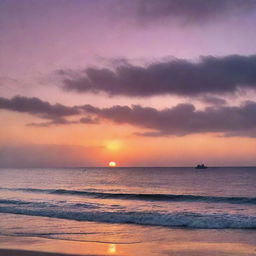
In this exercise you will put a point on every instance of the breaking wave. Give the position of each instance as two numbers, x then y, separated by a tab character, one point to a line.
175	219
146	197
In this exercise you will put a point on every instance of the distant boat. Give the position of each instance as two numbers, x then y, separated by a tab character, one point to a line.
201	166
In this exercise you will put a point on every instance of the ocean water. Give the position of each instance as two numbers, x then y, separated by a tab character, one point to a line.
129	205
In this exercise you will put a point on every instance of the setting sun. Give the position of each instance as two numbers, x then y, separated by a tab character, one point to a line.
112	164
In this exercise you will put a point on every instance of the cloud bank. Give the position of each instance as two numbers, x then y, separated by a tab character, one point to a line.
211	75
55	113
181	120
184	119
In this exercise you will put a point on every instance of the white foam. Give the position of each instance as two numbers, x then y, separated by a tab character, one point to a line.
178	219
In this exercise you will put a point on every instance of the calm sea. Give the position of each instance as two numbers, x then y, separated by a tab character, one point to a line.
84	204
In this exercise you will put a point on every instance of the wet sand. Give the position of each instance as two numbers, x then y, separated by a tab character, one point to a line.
18	246
8	252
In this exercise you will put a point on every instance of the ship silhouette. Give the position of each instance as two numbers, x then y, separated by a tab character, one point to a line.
201	166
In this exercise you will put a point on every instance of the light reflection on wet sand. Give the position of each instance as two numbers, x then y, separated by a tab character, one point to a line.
89	248
61	236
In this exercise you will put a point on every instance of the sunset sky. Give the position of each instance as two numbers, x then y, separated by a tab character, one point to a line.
141	83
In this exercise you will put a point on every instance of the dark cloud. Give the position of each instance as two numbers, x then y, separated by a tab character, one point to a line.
184	119
37	106
211	75
186	11
180	120
63	121
88	120
213	100
54	112
55	121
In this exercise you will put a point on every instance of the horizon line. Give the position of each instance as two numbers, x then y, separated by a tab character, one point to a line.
108	167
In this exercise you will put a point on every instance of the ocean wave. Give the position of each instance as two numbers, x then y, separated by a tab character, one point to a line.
176	219
145	197
47	204
6	201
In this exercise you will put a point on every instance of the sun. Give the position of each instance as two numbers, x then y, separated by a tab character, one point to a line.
112	164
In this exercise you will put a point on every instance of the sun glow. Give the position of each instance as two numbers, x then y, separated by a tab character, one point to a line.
113	145
112	164
112	249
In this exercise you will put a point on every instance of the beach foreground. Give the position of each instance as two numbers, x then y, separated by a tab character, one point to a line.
128	211
175	249
178	250
129	240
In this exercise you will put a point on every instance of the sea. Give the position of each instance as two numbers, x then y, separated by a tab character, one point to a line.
130	210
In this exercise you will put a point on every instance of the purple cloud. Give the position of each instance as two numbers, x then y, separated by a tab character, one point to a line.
56	113
37	106
188	12
184	119
180	120
211	75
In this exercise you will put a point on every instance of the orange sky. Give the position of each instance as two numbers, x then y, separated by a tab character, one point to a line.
106	142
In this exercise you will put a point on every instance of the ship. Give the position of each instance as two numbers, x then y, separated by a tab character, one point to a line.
201	166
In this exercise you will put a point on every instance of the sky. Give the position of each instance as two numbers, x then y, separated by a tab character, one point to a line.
141	83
